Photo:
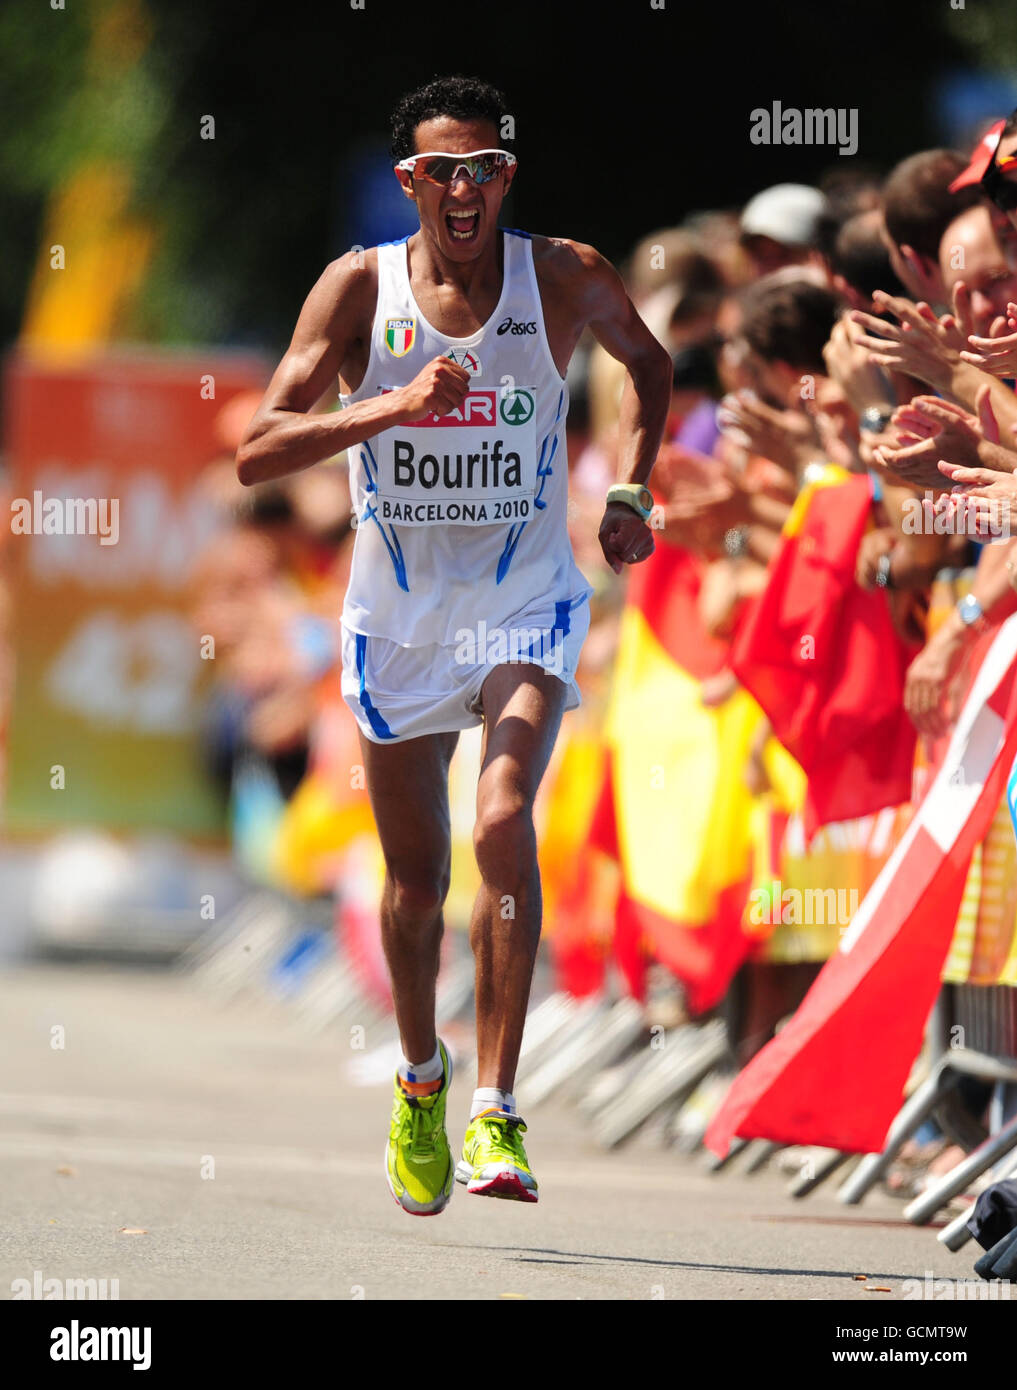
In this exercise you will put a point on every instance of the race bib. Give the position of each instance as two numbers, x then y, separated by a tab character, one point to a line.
474	467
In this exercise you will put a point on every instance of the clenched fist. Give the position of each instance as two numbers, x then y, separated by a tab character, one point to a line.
624	537
438	389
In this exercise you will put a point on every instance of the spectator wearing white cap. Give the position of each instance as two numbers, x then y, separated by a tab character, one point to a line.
782	225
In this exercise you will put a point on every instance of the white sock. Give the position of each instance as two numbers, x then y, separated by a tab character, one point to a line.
490	1098
422	1071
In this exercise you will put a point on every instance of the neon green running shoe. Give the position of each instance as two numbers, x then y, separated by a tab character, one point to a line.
494	1162
418	1160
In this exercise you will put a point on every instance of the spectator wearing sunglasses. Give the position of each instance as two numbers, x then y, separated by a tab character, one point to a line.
993	168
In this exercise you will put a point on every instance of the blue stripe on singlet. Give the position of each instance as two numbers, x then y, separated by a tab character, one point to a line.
544	472
375	720
395	550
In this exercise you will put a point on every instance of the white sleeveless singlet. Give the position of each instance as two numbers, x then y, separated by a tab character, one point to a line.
463	517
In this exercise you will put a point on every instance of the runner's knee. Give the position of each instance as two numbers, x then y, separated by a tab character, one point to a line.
417	896
504	839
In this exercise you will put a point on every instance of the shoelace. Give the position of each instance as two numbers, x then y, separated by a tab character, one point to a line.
504	1133
423	1136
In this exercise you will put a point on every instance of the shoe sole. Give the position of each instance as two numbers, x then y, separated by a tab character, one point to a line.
416	1208
507	1183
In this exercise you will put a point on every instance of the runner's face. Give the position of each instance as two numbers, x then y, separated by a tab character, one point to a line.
457	238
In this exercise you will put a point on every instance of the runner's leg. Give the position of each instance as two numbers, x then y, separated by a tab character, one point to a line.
408	787
523	706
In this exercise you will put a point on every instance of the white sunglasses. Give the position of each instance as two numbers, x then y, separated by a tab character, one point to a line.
439	167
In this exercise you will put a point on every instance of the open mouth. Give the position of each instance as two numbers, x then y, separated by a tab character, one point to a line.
464	224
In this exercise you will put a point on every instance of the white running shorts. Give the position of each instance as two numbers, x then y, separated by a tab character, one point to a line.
398	693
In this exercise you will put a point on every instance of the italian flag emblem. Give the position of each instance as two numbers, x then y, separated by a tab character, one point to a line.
399	335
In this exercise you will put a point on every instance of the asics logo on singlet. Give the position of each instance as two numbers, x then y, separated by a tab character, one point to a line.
516	326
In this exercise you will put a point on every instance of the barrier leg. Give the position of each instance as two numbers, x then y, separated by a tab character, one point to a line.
912	1114
956	1235
715	1164
812	1175
765	1150
923	1208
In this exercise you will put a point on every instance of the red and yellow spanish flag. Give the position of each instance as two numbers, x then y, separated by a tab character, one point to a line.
675	809
823	659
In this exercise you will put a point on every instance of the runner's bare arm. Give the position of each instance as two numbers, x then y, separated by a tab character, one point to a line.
587	291
646	397
282	437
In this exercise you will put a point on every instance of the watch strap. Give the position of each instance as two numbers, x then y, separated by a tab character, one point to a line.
635	495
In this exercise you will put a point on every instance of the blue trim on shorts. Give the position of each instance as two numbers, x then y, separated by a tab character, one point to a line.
561	626
375	720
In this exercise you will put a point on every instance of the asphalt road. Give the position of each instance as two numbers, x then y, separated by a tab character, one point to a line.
250	1165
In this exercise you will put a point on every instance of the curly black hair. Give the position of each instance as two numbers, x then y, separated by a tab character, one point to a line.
463	98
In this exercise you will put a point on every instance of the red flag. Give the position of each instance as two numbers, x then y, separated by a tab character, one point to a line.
835	1074
822	657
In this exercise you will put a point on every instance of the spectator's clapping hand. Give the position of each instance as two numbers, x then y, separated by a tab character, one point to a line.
677	467
996	354
787	437
836	424
703	498
927	681
920	344
849	363
931	430
988	499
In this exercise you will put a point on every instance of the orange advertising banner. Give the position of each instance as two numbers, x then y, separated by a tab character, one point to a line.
103	454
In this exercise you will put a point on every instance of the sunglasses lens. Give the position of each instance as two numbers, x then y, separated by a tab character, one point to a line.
1003	193
442	168
487	167
438	169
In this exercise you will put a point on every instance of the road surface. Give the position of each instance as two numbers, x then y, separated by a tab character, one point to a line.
236	1148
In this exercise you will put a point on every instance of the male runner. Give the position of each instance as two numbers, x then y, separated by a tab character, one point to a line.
451	348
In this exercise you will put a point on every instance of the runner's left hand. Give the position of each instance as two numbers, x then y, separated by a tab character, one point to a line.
624	537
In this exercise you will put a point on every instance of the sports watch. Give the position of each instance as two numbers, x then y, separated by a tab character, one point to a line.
635	495
969	610
875	418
